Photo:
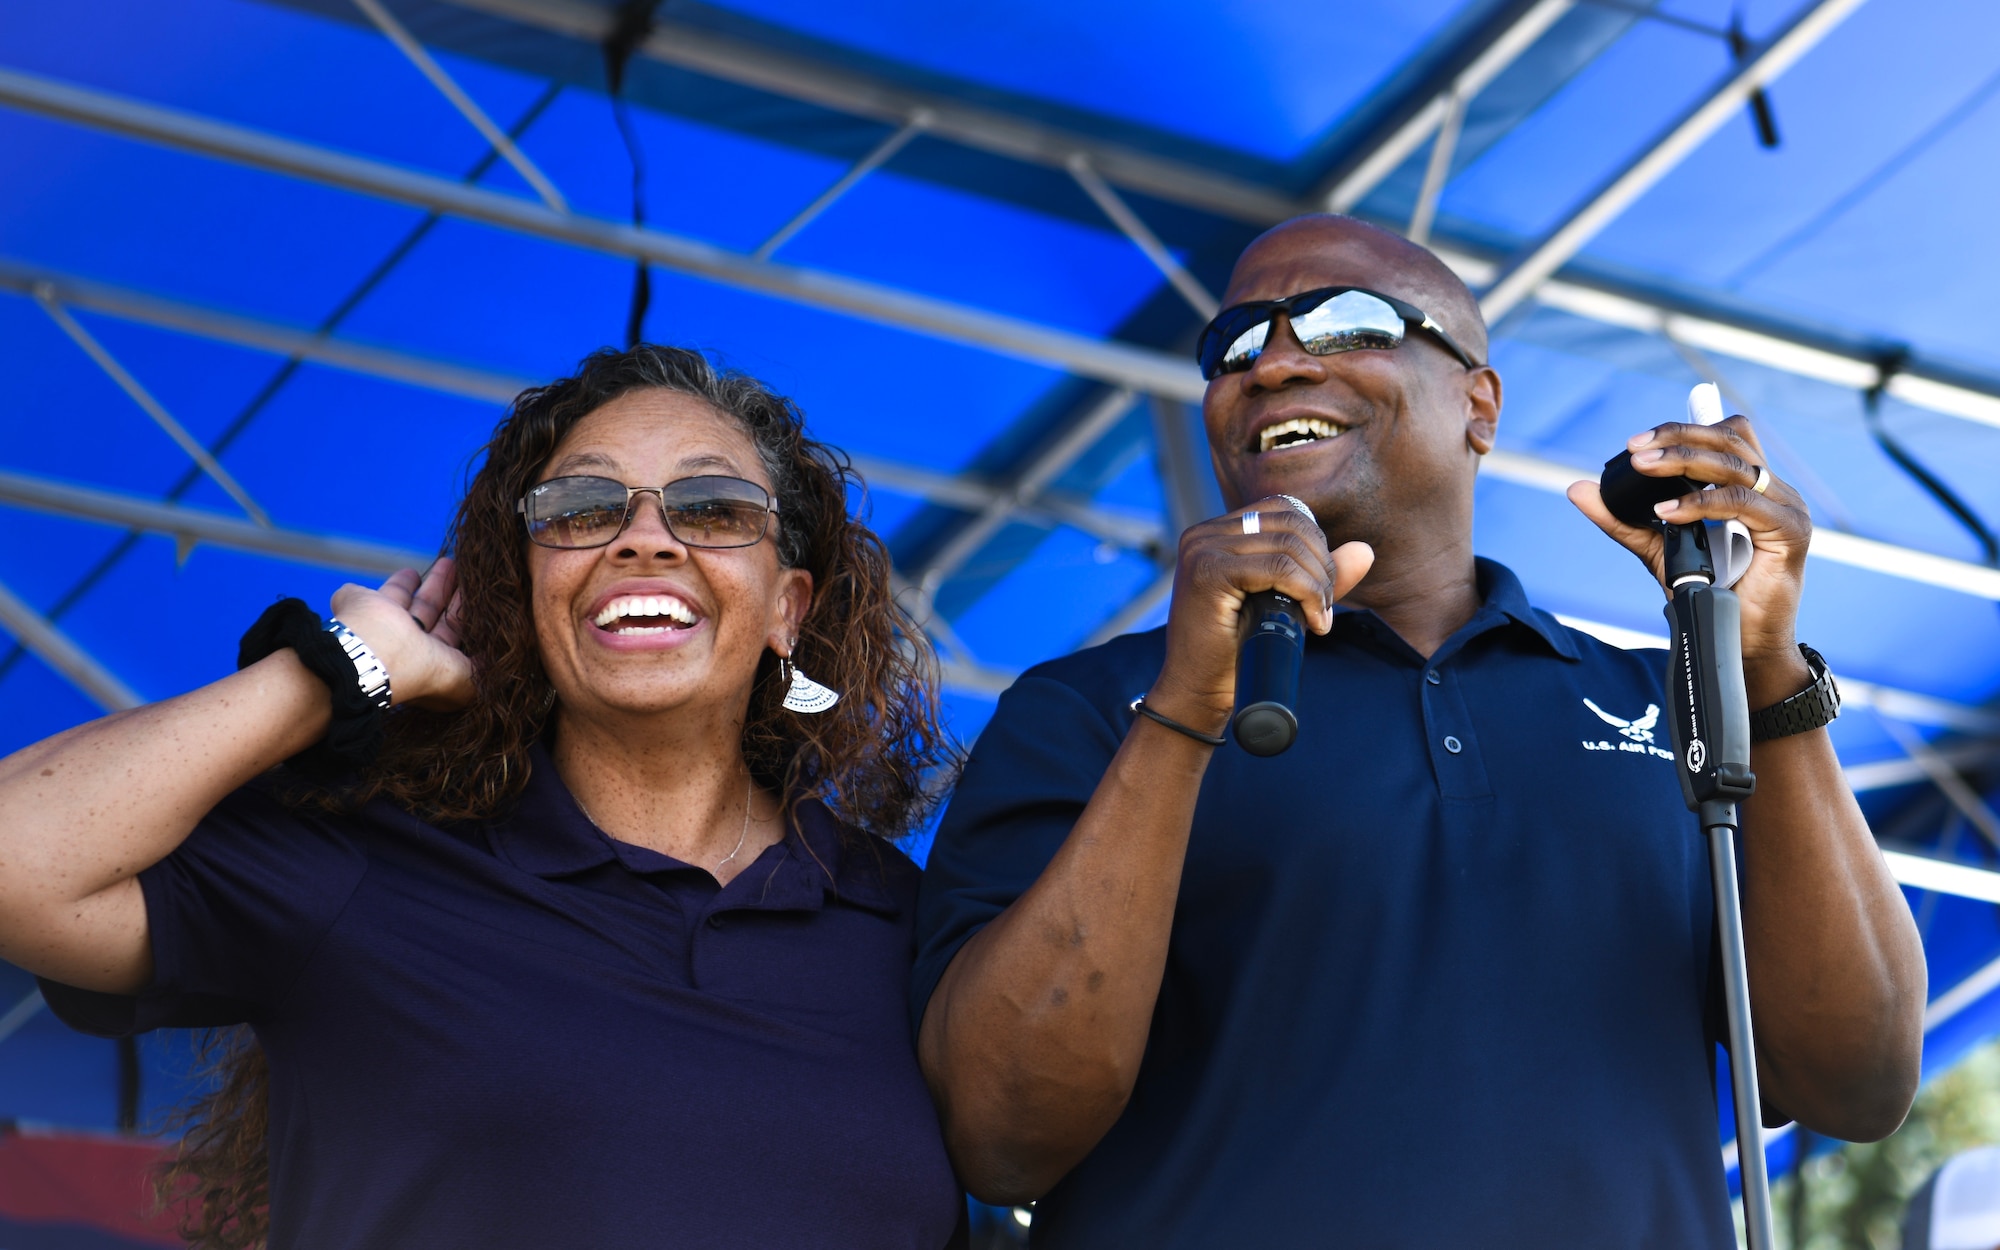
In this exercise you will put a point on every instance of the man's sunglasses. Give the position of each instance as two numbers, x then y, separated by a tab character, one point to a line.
574	512
1327	321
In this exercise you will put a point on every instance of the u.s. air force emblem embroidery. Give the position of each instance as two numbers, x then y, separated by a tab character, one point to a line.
1637	733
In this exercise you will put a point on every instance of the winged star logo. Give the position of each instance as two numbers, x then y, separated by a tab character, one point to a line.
1640	730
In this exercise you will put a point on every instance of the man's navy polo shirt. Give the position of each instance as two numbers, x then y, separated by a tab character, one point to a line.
526	1034
1439	975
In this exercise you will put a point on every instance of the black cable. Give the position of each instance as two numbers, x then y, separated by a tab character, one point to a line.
231	432
1760	104
634	23
1934	486
1761	115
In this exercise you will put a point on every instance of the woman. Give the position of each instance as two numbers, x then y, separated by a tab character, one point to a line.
584	945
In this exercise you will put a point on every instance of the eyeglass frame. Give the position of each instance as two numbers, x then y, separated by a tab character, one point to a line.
659	496
1410	313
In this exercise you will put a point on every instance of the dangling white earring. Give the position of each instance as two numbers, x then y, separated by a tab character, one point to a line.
802	693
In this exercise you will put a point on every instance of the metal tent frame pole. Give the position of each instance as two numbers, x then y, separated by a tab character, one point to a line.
1390	150
955	491
1024	490
1115	363
445	377
1145	369
1808	26
60	652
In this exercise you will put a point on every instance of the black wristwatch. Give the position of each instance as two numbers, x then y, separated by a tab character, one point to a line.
1807	710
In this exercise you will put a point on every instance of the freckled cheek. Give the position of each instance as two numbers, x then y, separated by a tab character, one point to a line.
553	583
740	622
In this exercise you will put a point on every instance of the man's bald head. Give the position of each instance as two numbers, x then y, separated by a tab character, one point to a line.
1373	257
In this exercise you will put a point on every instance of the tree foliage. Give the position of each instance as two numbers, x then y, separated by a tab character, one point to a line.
1855	1196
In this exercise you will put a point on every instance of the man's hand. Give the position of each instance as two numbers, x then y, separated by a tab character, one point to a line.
1219	567
1728	455
411	624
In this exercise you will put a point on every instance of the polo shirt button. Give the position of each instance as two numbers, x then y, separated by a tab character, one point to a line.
1432	677
1453	745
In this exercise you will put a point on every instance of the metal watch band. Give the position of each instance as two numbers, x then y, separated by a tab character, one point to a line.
1805	711
368	671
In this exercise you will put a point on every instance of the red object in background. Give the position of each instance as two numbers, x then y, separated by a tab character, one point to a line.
69	1186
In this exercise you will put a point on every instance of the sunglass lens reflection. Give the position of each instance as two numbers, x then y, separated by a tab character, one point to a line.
1350	321
716	511
700	511
576	511
1245	349
717	522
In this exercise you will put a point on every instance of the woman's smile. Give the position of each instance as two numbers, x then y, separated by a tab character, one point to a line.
644	616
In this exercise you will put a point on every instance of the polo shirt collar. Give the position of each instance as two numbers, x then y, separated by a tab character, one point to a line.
1502	593
547	834
822	859
1501	601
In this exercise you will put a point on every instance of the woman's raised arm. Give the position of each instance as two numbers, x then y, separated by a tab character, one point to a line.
84	812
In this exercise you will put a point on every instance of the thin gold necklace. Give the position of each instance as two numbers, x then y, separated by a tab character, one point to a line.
745	833
741	837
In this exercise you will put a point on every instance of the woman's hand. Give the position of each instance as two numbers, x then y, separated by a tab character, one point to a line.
1729	455
411	624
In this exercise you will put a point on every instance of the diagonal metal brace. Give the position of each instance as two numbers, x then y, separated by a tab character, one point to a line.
1945	778
45	296
868	164
468	108
1122	216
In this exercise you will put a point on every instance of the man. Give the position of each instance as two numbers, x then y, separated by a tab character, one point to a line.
1444	973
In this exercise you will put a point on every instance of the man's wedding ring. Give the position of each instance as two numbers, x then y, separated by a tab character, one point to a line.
1250	523
1763	479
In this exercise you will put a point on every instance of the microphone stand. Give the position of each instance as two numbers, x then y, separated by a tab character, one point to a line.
1711	733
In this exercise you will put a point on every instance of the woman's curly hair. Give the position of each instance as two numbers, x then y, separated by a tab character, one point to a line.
871	759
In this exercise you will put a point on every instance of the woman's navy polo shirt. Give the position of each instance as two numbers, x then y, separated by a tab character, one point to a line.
1438	976
526	1034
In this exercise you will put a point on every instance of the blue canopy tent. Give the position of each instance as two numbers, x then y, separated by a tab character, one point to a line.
270	269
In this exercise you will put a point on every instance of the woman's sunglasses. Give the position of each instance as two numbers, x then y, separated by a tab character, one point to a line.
1327	321
576	512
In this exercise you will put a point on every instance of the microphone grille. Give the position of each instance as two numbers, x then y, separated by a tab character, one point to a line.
1300	504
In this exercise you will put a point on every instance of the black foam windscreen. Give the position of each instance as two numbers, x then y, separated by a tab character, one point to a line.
1630	494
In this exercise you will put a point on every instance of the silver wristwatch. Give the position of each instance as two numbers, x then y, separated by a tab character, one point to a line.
368	670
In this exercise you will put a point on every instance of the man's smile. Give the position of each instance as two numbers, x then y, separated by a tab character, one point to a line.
1295	432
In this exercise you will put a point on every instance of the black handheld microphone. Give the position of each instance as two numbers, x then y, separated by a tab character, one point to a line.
1267	669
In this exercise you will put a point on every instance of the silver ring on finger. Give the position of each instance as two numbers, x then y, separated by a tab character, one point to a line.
1251	525
1763	482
